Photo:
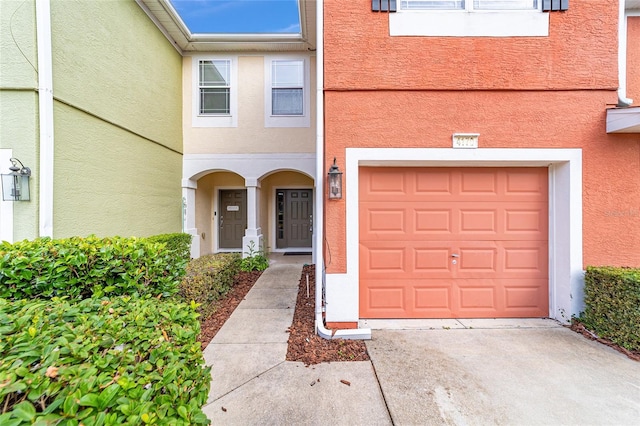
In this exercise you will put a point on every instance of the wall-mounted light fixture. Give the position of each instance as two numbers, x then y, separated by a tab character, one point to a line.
15	185
335	182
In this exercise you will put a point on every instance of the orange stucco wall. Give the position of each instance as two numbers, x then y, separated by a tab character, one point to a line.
633	59
528	92
580	52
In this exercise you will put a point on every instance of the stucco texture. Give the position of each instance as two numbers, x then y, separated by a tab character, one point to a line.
250	135
633	59
110	182
611	163
117	121
19	102
360	54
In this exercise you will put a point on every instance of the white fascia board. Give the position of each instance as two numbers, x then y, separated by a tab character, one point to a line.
623	120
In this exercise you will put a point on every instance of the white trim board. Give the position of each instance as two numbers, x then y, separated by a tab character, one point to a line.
566	276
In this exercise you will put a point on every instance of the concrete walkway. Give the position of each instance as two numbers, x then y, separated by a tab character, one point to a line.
432	372
251	383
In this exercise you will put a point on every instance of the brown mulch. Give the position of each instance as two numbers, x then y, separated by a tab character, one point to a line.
223	308
579	327
304	345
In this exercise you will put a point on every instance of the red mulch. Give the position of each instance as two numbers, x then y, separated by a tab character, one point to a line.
578	327
304	345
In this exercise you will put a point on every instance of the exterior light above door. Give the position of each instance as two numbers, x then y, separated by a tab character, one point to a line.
335	182
15	185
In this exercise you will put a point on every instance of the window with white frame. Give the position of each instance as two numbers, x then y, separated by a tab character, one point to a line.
469	4
287	92
215	92
472	18
215	86
287	87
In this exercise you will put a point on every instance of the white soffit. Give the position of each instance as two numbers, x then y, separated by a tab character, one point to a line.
623	120
164	15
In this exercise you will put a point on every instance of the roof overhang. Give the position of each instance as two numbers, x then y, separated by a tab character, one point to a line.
623	120
167	19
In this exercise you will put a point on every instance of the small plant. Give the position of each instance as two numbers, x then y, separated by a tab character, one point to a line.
256	260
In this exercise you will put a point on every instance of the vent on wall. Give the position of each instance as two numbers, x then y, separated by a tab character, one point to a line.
555	5
383	5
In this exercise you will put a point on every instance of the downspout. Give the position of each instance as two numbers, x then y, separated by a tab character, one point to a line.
623	101
45	108
321	330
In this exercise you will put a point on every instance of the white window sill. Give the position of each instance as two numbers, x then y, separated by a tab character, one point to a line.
287	121
469	24
214	121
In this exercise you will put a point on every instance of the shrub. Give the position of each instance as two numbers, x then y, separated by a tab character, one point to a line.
112	361
256	260
83	267
612	298
178	244
208	278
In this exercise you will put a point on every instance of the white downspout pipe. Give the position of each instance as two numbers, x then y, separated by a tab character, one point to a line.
45	107
321	330
623	101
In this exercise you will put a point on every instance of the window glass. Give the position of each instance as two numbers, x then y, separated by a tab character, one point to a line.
287	84
432	4
505	4
215	87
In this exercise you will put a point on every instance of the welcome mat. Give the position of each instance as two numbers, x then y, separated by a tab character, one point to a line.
297	253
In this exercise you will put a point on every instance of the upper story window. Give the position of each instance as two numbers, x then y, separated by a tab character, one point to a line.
215	91
287	92
469	18
215	86
287	87
469	4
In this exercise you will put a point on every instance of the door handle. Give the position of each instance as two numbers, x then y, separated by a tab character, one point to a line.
455	255
221	221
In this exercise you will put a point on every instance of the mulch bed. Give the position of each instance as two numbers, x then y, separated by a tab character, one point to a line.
304	345
579	327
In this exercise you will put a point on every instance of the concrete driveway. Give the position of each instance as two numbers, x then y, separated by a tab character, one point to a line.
475	372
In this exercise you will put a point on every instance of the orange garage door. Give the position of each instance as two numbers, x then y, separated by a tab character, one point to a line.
453	242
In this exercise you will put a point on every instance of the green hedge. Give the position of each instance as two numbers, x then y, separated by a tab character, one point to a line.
208	278
179	244
113	361
612	298
83	267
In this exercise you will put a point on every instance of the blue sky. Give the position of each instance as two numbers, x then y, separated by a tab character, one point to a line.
239	16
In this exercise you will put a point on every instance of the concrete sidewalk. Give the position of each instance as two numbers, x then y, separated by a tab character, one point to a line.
251	383
430	372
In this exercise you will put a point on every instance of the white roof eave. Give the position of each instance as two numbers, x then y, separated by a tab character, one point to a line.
623	120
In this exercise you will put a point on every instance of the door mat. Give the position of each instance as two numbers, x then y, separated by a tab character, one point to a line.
297	253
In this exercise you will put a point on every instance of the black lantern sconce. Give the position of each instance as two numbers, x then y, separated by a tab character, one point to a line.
335	182
15	185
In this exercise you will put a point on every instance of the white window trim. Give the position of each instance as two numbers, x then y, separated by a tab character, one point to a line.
475	23
208	120
303	120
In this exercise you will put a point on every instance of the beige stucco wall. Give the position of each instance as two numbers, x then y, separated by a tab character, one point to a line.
117	121
19	101
250	135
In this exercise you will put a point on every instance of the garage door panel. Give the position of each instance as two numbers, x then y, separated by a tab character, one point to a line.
453	243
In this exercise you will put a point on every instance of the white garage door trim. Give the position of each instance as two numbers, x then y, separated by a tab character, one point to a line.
566	276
